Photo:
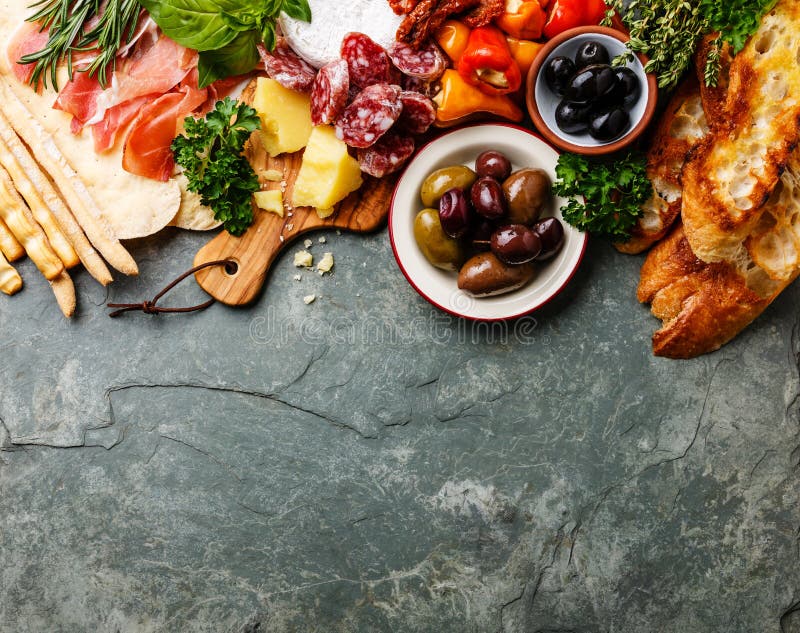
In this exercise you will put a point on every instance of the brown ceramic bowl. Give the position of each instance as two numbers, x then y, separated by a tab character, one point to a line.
542	101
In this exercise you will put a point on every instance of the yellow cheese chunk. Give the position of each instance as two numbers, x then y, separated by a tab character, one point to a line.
327	174
271	201
285	117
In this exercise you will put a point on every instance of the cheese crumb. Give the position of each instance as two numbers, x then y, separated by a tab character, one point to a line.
322	240
271	201
309	299
308	243
325	213
273	175
325	265
298	278
303	259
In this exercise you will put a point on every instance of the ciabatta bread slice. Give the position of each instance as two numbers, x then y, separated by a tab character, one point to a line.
681	127
734	170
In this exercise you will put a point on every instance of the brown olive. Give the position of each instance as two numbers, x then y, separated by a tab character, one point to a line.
516	244
485	275
528	193
439	249
551	235
444	179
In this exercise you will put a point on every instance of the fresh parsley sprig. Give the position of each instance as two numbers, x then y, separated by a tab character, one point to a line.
210	153
605	198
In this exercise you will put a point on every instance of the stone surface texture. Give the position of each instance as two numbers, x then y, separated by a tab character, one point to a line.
366	463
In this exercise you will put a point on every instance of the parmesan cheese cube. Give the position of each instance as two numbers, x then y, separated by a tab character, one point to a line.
303	259
325	265
327	174
271	201
285	117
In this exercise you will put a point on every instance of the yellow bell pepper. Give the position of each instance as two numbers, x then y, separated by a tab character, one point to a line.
458	102
452	38
523	52
523	19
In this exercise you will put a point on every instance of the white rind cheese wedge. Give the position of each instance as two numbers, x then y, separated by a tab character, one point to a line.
319	41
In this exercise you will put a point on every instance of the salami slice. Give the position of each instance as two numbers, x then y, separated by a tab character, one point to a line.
414	84
418	114
366	60
387	155
287	69
428	63
330	92
370	115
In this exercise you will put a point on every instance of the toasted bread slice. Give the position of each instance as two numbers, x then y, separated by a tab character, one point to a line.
681	127
734	170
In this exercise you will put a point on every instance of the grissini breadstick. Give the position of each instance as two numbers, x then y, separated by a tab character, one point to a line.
68	182
9	246
64	290
10	281
35	187
18	218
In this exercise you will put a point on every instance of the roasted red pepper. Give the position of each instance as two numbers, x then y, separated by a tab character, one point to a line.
523	19
487	62
568	14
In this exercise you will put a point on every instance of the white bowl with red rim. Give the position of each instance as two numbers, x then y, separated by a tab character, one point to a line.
461	147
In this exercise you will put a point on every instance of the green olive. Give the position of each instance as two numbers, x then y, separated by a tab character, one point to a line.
528	194
434	186
439	249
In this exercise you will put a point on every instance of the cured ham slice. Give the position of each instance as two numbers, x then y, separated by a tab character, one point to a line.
147	149
115	122
27	39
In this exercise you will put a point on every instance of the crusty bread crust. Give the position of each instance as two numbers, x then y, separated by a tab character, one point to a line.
731	174
702	305
681	126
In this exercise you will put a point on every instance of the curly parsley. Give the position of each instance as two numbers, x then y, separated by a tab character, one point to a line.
211	156
605	198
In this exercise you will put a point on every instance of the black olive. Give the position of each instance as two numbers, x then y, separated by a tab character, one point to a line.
631	85
592	84
591	52
573	118
557	73
609	124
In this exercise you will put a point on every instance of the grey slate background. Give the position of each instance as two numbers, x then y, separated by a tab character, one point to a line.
368	464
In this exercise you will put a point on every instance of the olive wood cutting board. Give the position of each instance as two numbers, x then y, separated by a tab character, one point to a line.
254	252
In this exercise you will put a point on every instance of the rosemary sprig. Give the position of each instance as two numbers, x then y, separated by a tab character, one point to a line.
67	21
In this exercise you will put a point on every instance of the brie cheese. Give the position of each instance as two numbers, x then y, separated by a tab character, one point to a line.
319	41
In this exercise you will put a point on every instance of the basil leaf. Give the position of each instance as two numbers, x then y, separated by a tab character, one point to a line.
268	35
196	24
237	58
298	9
241	22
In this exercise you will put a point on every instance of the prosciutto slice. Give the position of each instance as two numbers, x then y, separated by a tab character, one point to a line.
147	149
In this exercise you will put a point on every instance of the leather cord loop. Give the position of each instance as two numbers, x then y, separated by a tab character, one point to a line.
152	307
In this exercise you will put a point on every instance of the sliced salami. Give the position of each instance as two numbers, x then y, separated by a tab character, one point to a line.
330	92
287	69
387	155
370	115
428	63
418	114
415	84
367	61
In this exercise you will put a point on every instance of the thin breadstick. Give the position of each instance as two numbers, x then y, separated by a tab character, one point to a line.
39	210
9	246
77	196
35	187
18	218
64	290
10	281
